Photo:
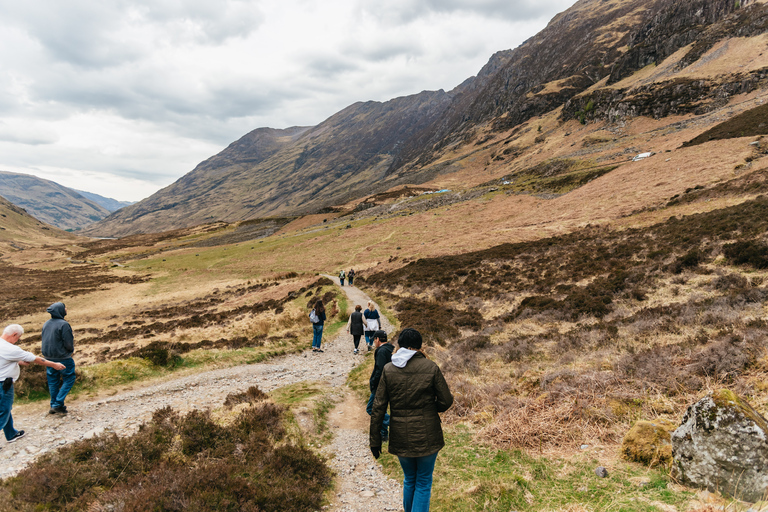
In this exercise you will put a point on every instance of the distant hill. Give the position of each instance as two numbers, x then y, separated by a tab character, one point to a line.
107	202
597	66
50	202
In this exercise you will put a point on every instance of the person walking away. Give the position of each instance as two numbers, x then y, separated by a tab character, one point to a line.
11	357
416	392
318	320
356	326
341	277
381	358
371	323
351	276
58	346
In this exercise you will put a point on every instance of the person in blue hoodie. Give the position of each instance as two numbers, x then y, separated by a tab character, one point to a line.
58	346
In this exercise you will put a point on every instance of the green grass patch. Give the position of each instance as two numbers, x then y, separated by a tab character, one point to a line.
473	477
358	378
308	397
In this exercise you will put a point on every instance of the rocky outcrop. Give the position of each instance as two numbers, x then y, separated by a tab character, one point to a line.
722	445
649	442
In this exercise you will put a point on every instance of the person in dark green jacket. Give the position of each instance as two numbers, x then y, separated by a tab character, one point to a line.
415	390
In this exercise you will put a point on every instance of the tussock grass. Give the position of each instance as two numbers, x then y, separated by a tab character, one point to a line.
473	477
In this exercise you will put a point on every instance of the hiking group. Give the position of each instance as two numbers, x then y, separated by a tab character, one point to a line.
408	385
349	275
58	346
414	390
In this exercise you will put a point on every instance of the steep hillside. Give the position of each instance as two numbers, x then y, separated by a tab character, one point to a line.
19	230
579	90
292	171
50	202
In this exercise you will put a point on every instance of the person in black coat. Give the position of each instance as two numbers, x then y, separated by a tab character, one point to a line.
381	357
356	326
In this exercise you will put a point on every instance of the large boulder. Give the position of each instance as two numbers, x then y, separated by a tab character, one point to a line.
649	442
722	445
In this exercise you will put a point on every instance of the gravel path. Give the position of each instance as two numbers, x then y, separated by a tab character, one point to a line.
360	484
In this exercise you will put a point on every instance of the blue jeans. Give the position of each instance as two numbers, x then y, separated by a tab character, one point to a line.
341	280
417	482
317	335
6	420
60	381
369	337
369	410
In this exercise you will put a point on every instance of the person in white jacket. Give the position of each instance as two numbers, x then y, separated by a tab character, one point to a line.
11	357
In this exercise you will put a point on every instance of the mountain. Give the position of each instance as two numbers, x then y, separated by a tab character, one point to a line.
110	204
595	68
50	202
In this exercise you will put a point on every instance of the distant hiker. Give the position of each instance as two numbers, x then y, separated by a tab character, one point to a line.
356	326
11	357
381	358
371	323
351	276
415	390
341	277
59	345
317	317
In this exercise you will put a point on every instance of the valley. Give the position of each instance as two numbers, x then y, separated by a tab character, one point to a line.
583	244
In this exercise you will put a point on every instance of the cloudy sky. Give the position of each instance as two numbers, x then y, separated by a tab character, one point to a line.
123	97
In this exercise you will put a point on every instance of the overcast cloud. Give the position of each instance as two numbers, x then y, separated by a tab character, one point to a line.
123	97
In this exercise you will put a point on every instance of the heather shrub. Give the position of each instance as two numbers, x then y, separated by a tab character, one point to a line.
251	395
176	462
724	359
749	252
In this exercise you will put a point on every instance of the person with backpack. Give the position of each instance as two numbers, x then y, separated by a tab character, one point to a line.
317	317
414	389
351	276
341	277
372	324
356	326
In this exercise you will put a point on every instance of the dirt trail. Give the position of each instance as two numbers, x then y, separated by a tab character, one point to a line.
361	486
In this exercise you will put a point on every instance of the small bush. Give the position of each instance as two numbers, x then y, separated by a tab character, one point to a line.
750	252
251	395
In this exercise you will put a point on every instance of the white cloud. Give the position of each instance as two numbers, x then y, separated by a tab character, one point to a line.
137	92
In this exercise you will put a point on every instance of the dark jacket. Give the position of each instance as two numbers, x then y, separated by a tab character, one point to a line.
58	340
371	314
356	326
382	356
415	395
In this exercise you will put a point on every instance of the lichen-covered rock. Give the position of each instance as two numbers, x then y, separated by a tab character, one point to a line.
649	442
722	445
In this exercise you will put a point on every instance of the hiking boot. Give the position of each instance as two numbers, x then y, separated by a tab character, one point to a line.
320	350
370	347
18	435
62	409
356	351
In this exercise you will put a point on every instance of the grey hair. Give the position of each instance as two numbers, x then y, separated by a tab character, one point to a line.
13	329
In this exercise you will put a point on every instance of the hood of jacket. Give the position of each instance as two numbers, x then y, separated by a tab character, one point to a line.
57	310
402	356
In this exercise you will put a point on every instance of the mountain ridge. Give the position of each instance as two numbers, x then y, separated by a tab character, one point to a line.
50	202
440	137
